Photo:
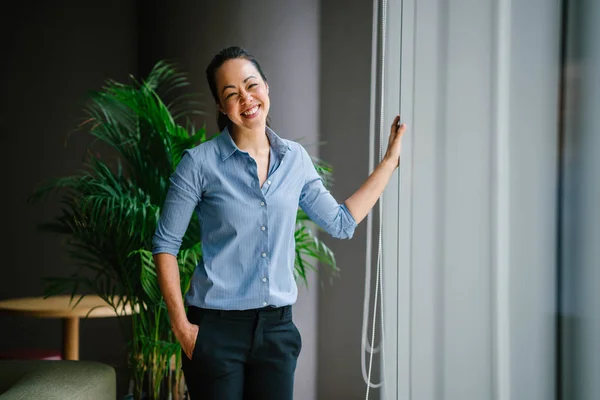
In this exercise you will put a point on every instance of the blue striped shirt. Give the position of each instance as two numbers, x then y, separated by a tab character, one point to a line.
247	232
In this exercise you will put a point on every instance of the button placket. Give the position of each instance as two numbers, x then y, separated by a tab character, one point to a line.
265	254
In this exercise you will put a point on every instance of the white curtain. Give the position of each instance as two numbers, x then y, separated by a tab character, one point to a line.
470	222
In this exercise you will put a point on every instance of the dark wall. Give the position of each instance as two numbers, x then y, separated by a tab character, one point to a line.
345	95
52	53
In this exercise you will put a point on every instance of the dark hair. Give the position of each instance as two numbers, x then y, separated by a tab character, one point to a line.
229	53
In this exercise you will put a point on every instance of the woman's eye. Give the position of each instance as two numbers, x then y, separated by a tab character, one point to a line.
230	95
251	86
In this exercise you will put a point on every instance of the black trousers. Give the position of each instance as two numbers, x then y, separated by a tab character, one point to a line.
249	354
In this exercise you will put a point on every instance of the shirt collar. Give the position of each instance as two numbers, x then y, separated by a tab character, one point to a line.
227	146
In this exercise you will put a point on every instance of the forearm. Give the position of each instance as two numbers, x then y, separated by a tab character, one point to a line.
363	200
167	270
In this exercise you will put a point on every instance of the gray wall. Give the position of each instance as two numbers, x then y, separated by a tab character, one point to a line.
344	125
51	57
284	37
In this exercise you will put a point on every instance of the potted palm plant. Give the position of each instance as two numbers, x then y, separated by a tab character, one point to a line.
110	210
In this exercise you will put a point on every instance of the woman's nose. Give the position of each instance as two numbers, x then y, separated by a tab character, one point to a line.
246	97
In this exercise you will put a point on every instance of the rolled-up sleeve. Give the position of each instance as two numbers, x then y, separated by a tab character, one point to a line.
320	206
183	197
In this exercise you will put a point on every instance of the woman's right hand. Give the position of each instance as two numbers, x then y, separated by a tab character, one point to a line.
187	339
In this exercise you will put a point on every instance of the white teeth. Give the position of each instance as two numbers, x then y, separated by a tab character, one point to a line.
251	111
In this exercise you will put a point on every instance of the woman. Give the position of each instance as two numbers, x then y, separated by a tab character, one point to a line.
238	338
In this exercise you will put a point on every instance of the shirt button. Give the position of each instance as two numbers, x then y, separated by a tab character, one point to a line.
264	254
262	203
264	279
265	303
268	182
262	228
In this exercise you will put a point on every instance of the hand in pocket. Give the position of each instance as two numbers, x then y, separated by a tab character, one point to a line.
188	340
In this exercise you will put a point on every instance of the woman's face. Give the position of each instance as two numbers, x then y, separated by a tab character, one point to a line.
243	94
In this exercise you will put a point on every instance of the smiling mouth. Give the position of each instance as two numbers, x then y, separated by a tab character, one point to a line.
251	112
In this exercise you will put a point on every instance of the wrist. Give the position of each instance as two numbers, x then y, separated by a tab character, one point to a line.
180	327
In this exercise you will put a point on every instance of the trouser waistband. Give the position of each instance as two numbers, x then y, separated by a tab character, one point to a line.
265	312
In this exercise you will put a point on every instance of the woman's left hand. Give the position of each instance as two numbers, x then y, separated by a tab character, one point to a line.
392	155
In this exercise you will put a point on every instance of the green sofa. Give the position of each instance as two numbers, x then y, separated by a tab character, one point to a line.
37	379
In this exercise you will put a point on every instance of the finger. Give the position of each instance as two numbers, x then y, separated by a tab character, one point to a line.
402	129
399	131
395	123
394	128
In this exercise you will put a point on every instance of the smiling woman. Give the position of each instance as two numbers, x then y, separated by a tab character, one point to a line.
243	86
247	95
245	185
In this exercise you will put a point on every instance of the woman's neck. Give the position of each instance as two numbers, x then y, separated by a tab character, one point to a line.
253	141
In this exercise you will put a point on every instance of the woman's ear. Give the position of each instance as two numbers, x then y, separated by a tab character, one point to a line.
220	109
267	85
